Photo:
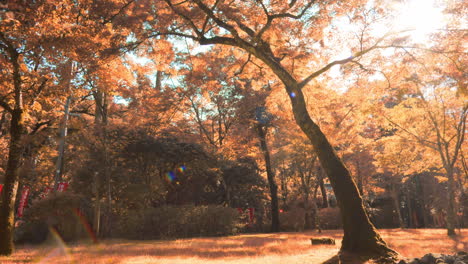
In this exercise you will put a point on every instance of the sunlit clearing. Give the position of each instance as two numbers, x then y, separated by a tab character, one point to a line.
420	18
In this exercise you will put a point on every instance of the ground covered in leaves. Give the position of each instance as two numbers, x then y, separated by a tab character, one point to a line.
290	248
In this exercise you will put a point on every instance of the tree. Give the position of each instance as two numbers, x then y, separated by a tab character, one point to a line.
22	82
37	39
262	129
440	125
219	23
430	105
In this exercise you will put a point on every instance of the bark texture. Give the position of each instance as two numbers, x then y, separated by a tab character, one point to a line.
451	214
360	236
10	188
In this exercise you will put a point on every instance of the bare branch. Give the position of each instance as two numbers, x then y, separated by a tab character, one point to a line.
421	140
216	19
362	67
322	70
118	12
200	122
186	18
245	28
243	65
270	18
298	16
219	40
208	18
344	61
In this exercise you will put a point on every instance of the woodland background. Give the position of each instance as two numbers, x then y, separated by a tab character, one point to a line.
158	131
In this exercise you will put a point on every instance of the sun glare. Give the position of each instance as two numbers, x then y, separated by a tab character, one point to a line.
420	17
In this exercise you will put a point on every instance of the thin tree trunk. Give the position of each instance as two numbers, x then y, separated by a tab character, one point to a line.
97	205
3	120
396	204
100	118
284	188
359	177
324	192
10	187
410	207
451	215
271	180
62	141
307	215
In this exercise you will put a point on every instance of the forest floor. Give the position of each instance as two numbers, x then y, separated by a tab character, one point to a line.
289	248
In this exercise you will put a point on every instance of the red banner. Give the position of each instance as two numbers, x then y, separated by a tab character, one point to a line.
23	201
1	188
251	214
62	186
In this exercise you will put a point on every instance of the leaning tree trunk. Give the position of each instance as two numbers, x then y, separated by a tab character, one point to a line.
360	236
271	181
10	187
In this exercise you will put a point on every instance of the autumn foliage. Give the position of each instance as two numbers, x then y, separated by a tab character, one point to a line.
297	109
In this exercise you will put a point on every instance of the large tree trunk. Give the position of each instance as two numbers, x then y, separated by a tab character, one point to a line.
271	180
360	236
10	187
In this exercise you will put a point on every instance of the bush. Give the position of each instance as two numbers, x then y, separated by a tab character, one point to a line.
330	218
179	221
293	220
58	211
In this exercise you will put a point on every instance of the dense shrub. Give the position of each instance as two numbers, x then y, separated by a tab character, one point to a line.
179	221
330	218
293	219
57	211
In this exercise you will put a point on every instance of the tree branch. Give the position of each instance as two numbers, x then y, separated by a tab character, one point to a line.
208	18
216	19
105	21
6	106
186	18
270	18
38	91
243	65
39	125
424	142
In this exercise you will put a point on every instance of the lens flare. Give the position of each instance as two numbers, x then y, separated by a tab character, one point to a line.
170	176
182	168
60	249
85	223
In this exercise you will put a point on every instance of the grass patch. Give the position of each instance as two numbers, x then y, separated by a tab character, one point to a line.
290	248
